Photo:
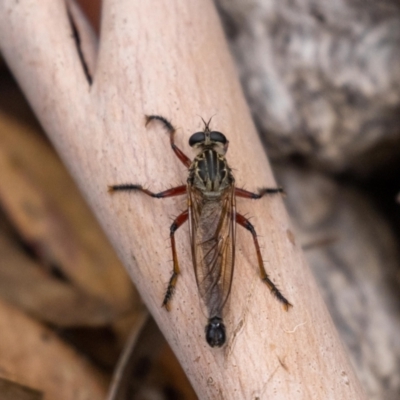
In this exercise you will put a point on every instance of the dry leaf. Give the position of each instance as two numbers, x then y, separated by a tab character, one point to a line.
147	368
26	286
13	391
32	355
44	205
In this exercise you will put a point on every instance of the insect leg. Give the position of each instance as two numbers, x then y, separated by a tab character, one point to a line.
261	193
175	191
179	221
171	130
241	220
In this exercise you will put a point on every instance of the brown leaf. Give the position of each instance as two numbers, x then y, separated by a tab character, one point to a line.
32	355
25	285
13	391
147	367
44	205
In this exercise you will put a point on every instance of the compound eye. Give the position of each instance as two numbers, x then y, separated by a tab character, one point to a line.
197	138
218	137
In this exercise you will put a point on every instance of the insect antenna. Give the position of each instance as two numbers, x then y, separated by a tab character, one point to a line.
207	124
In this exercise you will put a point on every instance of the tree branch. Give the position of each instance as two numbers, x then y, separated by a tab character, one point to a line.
170	58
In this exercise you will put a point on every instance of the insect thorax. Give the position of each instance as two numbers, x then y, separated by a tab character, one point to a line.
210	172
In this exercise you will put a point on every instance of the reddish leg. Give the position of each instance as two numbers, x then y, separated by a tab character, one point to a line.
261	192
171	130
175	191
178	222
241	220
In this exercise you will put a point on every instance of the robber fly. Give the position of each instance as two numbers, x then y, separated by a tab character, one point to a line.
211	199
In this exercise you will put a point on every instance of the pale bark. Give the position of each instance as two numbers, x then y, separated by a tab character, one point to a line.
170	58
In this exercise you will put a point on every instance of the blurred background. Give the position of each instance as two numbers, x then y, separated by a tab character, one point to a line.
323	83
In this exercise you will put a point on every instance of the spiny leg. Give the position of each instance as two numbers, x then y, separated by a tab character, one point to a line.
250	195
171	130
175	191
241	220
181	219
178	222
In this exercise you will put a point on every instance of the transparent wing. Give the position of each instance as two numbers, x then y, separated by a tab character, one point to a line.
212	232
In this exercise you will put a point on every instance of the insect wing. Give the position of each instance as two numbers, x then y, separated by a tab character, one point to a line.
212	232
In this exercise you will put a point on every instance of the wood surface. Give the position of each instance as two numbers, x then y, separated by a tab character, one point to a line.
171	59
353	255
322	82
